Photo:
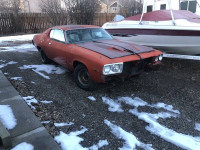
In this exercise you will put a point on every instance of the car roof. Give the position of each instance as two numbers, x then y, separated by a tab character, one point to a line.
70	27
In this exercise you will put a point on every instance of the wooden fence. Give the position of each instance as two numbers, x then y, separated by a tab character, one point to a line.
36	22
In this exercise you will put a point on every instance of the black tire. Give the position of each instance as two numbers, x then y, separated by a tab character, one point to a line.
83	79
44	58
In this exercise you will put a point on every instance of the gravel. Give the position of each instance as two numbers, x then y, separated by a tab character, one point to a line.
176	83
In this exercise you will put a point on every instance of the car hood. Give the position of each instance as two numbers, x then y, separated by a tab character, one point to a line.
114	48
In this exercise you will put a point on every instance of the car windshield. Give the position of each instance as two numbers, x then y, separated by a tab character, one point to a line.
86	35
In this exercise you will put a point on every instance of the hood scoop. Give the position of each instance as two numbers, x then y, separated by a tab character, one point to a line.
114	48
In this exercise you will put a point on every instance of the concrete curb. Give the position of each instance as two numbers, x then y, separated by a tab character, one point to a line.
28	128
5	137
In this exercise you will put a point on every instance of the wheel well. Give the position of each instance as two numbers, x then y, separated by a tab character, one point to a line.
39	48
76	63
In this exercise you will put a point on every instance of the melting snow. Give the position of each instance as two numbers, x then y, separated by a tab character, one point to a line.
63	124
29	100
16	78
45	122
113	106
133	102
181	56
7	117
49	69
197	126
130	140
101	143
20	48
23	146
179	139
92	98
71	141
9	63
165	106
27	37
46	102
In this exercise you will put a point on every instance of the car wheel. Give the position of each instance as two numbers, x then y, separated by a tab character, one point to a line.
44	58
82	78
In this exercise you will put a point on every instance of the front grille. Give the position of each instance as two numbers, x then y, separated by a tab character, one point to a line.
135	67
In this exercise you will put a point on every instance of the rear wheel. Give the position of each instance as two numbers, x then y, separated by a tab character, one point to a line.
82	78
44	58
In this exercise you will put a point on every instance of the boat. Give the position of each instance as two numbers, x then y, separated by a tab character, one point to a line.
172	31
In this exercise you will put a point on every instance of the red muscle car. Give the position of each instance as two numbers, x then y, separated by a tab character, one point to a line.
93	54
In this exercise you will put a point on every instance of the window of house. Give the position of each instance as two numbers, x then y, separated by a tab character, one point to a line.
114	8
57	35
162	6
192	6
149	8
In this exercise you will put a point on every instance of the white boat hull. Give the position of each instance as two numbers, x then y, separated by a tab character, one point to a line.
173	44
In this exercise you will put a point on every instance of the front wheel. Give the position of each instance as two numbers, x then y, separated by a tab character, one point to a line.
82	78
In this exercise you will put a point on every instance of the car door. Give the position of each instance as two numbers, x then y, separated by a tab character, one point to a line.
57	47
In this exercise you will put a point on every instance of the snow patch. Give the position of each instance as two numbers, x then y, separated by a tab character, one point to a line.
113	106
23	146
16	78
45	122
29	100
71	141
23	48
130	140
165	106
49	69
92	98
179	139
100	144
133	102
181	56
27	37
197	126
63	124
46	102
9	63
7	117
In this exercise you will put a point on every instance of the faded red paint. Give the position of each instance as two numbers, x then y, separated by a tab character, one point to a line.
68	54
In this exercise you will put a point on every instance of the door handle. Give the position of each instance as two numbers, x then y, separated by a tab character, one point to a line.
49	43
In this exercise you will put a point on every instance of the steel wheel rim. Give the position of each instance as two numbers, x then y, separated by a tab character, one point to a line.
83	77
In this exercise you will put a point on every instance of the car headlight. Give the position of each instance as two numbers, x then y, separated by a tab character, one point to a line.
112	68
156	59
160	57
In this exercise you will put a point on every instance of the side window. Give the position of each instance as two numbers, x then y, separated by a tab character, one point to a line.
58	35
51	34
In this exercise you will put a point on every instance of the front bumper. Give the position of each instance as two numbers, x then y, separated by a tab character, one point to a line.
133	68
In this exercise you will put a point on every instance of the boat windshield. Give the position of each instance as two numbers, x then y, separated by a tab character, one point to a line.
87	35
